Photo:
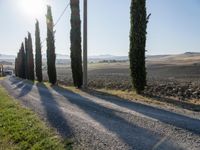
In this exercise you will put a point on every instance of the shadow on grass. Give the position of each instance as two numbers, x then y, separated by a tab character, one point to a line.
130	133
53	113
162	115
178	103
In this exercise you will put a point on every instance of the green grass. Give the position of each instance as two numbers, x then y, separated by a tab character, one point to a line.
21	129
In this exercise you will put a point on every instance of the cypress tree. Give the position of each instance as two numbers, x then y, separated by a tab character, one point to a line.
26	59
16	67
22	62
18	64
38	55
138	33
51	56
75	38
30	59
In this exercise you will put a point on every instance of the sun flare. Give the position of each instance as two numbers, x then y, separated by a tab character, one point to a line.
33	8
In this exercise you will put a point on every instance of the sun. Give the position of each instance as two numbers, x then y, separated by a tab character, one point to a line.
33	8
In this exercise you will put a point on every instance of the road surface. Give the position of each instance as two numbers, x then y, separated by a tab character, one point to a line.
106	122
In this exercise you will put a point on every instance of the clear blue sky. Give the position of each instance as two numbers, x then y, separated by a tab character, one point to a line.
174	26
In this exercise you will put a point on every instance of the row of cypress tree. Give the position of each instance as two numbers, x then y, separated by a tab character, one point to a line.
20	63
139	20
24	64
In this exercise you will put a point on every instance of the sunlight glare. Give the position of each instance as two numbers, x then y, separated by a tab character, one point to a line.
33	8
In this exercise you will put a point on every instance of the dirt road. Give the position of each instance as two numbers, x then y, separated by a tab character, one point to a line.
101	122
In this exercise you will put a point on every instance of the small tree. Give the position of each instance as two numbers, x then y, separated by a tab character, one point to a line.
30	58
38	55
51	56
75	37
138	33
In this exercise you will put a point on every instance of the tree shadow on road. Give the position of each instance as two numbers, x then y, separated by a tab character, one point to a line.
54	115
23	85
14	80
175	119
130	133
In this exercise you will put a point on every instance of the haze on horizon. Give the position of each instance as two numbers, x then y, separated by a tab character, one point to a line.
174	26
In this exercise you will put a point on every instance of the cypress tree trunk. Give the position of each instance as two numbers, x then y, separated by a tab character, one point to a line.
38	55
139	22
75	37
51	56
30	59
26	59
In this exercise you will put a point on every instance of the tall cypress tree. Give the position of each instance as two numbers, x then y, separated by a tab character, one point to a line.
26	58
16	67
19	62
138	33
75	37
38	55
22	62
30	58
51	56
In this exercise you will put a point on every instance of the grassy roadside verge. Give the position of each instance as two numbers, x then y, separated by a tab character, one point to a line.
21	129
190	104
193	105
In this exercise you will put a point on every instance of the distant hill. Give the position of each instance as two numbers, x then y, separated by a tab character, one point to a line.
58	56
192	53
6	63
91	58
187	57
7	57
107	57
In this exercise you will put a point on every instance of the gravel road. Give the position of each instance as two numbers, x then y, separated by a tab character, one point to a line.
107	123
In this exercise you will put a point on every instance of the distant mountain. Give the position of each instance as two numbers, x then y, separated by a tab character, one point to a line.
6	63
185	57
192	53
7	57
107	57
91	58
58	56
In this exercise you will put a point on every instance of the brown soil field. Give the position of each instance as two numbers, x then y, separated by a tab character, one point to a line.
181	80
